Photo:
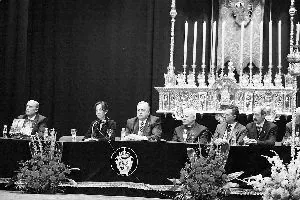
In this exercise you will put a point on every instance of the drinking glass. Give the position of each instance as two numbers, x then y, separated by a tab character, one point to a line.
73	133
184	135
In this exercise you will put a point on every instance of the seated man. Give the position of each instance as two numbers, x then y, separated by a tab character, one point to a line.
144	126
190	130
33	120
230	130
288	131
261	131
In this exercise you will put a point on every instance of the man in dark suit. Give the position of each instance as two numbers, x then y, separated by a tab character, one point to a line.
190	130
230	130
144	126
288	131
37	122
261	131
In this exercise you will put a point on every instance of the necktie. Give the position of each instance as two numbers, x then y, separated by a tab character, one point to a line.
259	129
142	125
228	128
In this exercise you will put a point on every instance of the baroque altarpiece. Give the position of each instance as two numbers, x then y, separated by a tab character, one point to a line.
235	74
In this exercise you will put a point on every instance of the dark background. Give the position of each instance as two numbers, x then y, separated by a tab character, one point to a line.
69	54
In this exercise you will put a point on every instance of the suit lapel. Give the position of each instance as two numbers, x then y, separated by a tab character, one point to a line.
136	126
264	130
233	132
146	126
255	131
222	130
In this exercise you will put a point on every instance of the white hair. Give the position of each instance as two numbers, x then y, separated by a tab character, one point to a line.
34	102
190	111
144	103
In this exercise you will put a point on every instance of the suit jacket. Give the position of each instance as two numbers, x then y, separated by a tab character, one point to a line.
39	123
288	130
199	131
268	133
152	127
239	131
99	129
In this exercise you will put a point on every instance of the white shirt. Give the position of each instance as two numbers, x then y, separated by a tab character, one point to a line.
261	124
232	126
31	118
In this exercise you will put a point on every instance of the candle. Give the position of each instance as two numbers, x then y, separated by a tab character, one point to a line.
279	43
223	43
204	41
186	27
297	34
242	45
214	42
260	43
251	39
195	43
270	42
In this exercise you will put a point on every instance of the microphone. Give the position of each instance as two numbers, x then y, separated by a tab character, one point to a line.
93	127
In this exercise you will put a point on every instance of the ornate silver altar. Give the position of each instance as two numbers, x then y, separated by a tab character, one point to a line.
210	93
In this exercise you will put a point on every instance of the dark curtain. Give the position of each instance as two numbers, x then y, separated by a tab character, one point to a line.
69	54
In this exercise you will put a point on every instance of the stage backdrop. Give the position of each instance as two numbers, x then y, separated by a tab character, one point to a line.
69	54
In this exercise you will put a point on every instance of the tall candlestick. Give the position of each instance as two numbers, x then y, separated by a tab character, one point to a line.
279	43
223	43
186	27
297	33
195	43
270	42
251	39
242	46
214	42
260	44
204	41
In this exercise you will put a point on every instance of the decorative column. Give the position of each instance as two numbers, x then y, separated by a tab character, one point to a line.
294	69
170	77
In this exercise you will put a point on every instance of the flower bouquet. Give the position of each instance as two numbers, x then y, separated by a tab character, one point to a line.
284	183
204	177
44	171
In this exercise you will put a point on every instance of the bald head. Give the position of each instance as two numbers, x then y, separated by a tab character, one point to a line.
32	108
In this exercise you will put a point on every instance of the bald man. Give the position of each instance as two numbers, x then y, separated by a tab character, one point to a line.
190	130
144	125
261	131
33	118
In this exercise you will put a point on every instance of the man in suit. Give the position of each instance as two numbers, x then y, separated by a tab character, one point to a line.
261	131
288	131
230	129
33	119
190	130
144	126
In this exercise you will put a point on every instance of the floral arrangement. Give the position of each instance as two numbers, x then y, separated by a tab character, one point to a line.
44	171
284	182
204	177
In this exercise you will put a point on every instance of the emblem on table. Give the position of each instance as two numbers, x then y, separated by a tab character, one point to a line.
124	161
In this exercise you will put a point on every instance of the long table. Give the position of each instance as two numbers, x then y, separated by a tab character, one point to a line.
157	161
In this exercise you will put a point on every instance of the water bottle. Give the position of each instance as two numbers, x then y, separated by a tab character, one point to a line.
123	133
5	131
46	133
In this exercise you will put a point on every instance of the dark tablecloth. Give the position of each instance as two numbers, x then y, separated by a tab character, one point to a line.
157	161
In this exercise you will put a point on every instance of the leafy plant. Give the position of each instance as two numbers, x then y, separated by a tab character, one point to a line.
203	178
44	171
